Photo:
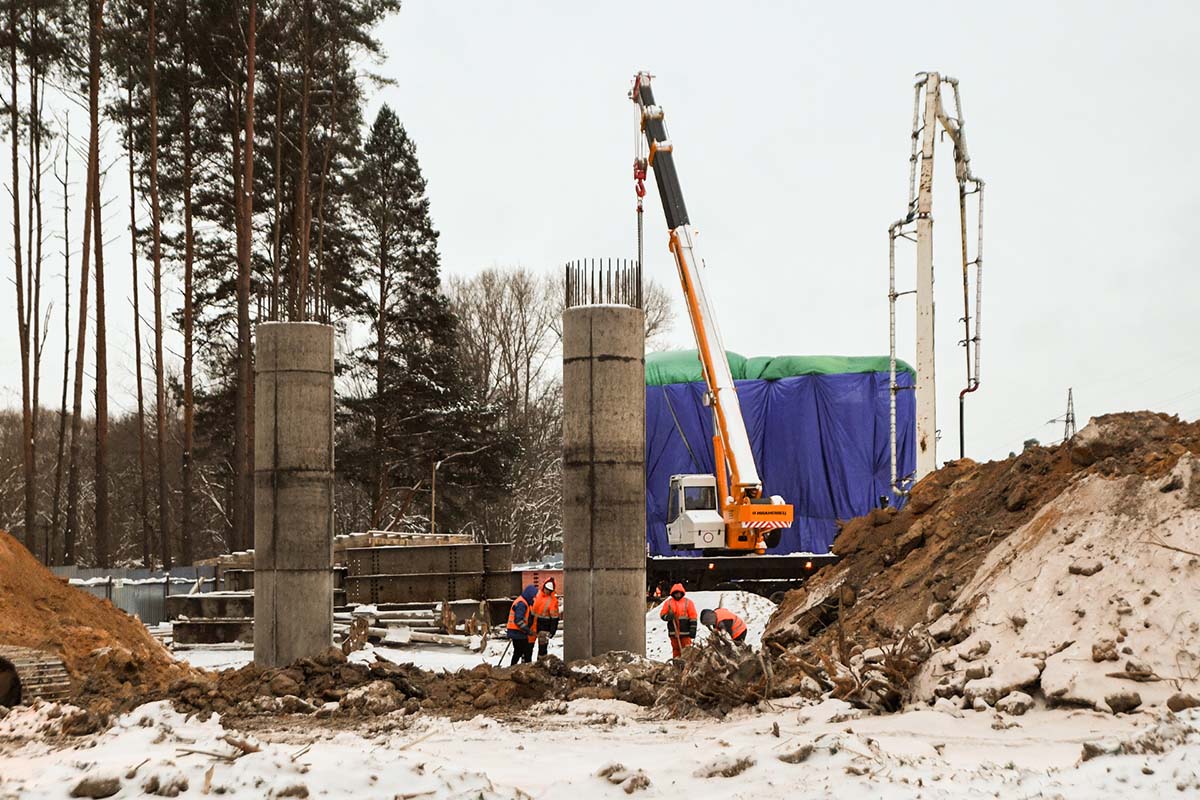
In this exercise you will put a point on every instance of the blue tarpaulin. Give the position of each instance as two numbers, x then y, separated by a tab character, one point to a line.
819	440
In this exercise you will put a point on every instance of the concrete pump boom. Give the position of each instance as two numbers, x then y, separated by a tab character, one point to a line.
748	517
929	116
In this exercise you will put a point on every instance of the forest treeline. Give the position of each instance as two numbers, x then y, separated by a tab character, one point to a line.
270	196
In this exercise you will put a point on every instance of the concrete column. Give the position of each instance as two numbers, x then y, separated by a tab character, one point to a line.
604	480
293	491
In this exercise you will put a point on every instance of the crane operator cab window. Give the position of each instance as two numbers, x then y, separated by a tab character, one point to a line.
696	498
690	498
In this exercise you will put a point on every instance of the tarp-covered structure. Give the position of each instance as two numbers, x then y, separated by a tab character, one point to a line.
818	427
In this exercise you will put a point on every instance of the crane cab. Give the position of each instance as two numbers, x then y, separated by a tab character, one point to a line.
694	521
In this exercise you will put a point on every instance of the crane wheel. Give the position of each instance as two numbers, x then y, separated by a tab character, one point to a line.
773	538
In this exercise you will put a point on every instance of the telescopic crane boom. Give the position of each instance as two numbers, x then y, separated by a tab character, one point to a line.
726	511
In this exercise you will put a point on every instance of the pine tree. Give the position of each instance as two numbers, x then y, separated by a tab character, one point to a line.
103	510
420	407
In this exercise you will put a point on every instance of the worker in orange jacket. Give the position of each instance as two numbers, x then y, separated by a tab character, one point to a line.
722	619
545	617
680	615
520	626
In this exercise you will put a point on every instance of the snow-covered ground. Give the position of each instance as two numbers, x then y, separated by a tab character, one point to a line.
588	749
752	608
549	753
426	656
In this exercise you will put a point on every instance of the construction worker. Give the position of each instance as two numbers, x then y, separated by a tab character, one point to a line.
722	619
545	617
521	626
680	615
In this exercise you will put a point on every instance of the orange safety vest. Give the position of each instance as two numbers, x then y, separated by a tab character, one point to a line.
512	618
545	605
739	627
682	609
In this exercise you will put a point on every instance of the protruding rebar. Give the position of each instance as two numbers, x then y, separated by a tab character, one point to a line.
603	281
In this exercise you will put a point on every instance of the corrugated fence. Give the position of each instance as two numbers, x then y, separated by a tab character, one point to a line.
142	592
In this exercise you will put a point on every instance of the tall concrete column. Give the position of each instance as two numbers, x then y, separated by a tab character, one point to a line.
293	491
604	480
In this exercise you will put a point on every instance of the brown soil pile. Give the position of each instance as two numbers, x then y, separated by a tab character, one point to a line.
383	687
113	661
710	679
898	569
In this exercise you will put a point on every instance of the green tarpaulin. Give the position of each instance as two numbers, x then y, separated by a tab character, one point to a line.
683	366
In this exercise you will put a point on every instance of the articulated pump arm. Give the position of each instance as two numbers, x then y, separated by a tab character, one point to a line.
930	115
747	514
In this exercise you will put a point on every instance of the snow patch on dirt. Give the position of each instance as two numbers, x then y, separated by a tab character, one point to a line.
798	751
156	742
1038	601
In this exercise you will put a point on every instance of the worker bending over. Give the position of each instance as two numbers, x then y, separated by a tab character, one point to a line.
521	626
545	615
722	619
680	615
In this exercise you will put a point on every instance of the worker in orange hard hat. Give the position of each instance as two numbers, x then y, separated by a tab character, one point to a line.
680	615
520	626
545	616
722	619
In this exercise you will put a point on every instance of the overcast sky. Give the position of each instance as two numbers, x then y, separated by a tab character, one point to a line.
791	127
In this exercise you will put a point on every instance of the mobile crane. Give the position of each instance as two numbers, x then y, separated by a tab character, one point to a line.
725	512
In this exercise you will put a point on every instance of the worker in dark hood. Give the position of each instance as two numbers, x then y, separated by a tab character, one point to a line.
545	615
521	626
722	619
680	615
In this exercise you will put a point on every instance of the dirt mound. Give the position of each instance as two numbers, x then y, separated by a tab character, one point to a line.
900	570
712	678
1095	602
330	685
114	663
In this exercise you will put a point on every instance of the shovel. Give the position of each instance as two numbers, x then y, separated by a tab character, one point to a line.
502	655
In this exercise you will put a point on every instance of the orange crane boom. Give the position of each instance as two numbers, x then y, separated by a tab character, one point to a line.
748	521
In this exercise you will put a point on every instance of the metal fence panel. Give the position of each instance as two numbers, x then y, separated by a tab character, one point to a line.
139	591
